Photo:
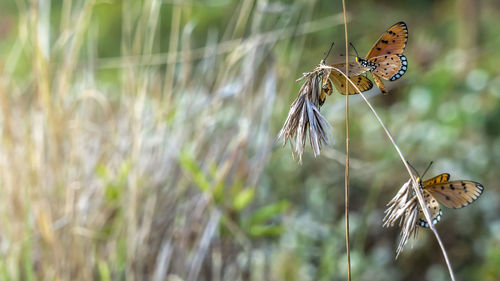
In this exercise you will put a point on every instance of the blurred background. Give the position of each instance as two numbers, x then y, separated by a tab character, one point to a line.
138	140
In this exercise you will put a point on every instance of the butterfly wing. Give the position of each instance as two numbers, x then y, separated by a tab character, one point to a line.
434	209
379	83
390	67
455	194
354	68
392	42
361	82
437	179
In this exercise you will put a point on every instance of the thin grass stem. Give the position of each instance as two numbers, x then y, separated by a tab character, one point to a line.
346	187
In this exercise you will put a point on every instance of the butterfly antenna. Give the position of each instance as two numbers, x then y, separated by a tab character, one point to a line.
329	50
430	164
357	54
415	170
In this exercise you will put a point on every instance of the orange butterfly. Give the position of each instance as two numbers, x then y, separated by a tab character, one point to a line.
452	194
337	80
385	59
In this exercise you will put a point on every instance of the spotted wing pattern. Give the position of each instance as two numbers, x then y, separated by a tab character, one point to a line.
452	194
338	80
386	60
434	209
390	67
392	42
455	194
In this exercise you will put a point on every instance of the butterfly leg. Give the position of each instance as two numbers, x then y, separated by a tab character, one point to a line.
379	83
322	98
329	86
327	89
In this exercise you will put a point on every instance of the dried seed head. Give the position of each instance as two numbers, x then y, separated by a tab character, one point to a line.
403	208
304	117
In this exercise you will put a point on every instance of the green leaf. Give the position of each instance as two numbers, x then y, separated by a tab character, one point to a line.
112	192
265	213
243	198
104	272
218	192
102	171
237	187
124	171
190	167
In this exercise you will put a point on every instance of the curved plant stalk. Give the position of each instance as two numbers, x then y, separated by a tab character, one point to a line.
415	184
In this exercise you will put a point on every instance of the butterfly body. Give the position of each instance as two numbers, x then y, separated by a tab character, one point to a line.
386	60
366	63
452	194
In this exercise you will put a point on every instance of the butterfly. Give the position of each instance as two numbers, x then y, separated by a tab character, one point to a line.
385	59
337	80
452	194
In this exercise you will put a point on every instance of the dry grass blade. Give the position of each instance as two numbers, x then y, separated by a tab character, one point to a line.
397	204
304	117
403	208
113	169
